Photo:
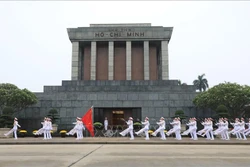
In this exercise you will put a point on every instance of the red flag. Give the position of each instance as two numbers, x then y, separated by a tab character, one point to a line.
87	120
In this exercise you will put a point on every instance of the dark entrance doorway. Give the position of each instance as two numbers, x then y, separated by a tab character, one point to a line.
115	116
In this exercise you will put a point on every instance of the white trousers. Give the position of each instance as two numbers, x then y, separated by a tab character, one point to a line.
161	130
71	132
79	134
11	131
145	130
126	131
106	127
40	131
178	134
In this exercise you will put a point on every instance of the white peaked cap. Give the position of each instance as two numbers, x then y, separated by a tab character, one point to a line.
15	119
162	118
147	118
130	118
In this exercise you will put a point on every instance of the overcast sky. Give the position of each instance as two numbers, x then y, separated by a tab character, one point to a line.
208	37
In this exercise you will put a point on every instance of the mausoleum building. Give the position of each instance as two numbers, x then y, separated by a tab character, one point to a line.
120	69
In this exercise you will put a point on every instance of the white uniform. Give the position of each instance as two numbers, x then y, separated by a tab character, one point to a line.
144	129
241	130
46	130
129	129
41	130
235	131
160	129
74	130
176	129
221	128
14	129
192	129
205	130
106	124
210	129
80	128
49	129
247	131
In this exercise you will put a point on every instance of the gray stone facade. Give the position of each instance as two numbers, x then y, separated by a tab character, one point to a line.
74	98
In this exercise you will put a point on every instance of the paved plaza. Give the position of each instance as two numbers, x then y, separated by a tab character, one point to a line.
98	155
122	140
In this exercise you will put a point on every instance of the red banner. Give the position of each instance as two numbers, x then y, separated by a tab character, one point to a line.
87	119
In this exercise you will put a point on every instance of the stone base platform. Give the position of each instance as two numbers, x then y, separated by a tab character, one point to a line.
137	141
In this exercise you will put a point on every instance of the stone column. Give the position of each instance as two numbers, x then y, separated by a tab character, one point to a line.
128	60
164	60
111	61
146	59
93	61
75	61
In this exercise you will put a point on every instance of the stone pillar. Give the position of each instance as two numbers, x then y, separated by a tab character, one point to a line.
75	61
164	60
111	61
128	60
146	59
93	61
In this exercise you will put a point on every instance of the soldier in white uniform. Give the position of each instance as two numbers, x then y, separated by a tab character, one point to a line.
74	130
192	128
161	129
129	129
220	129
247	131
174	125
189	130
106	123
225	129
14	129
241	129
145	128
176	129
80	128
46	129
210	128
41	130
49	129
236	126
205	131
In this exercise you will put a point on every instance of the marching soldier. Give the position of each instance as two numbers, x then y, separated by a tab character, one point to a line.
247	131
74	130
129	129
14	129
161	129
145	128
41	130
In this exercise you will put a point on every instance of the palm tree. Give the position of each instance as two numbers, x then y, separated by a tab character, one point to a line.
201	83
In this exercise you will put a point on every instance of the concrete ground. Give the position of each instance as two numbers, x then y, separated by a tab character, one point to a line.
98	155
122	140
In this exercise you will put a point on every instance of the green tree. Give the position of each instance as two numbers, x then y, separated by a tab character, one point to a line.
201	83
17	99
180	114
222	111
180	83
6	119
233	96
53	114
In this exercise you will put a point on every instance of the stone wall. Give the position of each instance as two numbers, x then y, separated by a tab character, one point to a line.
74	98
